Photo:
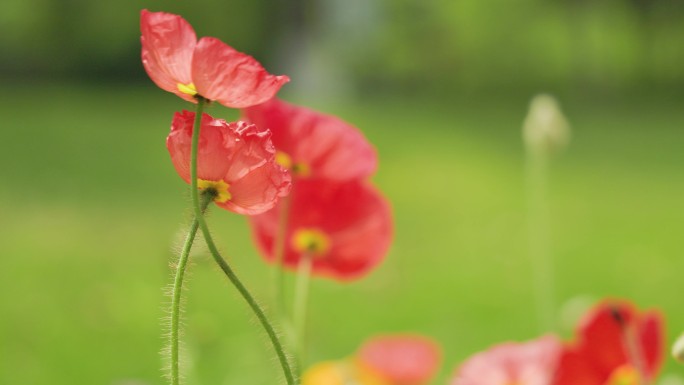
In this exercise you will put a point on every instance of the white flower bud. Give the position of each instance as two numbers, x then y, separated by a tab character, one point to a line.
678	349
545	128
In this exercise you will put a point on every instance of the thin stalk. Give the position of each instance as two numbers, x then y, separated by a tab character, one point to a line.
300	306
178	290
539	237
227	270
279	254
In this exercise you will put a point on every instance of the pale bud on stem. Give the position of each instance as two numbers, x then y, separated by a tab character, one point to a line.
678	349
545	129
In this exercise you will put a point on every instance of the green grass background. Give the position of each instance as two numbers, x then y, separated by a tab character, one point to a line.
92	212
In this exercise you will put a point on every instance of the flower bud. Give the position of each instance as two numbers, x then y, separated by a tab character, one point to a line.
545	129
678	349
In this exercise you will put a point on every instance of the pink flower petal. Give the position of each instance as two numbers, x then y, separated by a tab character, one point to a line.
330	147
402	359
258	190
232	78
251	148
213	157
527	363
168	42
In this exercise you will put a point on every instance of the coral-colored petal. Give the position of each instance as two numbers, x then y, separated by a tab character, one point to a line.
355	217
258	190
330	147
213	157
232	78
403	359
168	42
251	148
527	363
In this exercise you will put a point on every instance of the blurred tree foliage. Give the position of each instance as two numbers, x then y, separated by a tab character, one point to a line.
381	43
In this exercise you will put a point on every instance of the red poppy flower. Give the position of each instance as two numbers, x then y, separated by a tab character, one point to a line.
313	144
512	363
402	359
178	63
235	159
346	228
616	345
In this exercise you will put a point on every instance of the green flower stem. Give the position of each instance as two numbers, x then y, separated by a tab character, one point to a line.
178	289
300	306
539	238
279	254
217	256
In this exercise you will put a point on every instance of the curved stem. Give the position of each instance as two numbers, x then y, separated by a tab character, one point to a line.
217	256
301	304
177	291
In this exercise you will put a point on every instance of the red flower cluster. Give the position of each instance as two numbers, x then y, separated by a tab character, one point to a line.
616	345
335	216
235	160
178	63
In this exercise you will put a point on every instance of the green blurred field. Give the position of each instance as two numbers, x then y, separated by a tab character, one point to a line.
91	213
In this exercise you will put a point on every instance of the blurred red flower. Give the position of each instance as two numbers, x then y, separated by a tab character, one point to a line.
616	345
235	159
178	63
312	144
401	359
512	363
346	228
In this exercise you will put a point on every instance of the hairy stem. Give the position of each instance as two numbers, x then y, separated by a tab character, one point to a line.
177	291
227	270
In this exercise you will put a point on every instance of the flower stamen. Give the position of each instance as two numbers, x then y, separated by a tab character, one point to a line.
218	188
188	89
312	241
283	159
297	168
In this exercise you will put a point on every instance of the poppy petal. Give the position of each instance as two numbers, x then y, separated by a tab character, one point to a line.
168	42
328	146
258	190
232	78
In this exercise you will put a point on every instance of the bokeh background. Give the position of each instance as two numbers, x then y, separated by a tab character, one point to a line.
92	212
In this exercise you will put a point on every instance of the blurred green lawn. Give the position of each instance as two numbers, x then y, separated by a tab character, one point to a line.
92	211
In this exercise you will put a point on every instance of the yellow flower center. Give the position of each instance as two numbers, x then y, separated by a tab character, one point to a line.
283	159
187	88
298	169
220	189
624	375
312	241
301	169
341	373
